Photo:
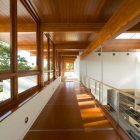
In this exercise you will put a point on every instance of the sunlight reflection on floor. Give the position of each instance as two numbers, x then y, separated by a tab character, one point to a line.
91	114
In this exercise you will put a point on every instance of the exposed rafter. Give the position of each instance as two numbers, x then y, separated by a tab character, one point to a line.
57	27
69	53
71	46
72	27
122	20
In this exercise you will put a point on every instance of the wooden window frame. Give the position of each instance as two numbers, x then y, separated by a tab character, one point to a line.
13	74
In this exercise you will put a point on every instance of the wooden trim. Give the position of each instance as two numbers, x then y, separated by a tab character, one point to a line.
54	27
13	16
118	23
7	75
40	54
48	56
59	61
28	73
72	27
75	46
10	75
54	62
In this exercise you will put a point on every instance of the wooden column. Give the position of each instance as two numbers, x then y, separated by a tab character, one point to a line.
54	62
40	55
59	64
13	44
48	56
62	66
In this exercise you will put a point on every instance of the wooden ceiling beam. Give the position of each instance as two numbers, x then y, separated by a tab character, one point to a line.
69	50
136	28
69	53
85	27
122	20
120	48
21	27
72	27
68	46
56	27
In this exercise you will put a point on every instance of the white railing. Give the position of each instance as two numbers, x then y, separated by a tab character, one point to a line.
119	104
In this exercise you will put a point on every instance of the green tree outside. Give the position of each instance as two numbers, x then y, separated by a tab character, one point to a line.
5	59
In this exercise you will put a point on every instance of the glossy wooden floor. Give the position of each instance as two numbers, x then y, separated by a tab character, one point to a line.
71	114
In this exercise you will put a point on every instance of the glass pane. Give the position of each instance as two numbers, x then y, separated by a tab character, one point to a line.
5	90
45	51
51	60
51	56
27	46
51	75
4	35
27	82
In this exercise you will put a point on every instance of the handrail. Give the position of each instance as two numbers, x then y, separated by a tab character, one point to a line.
122	92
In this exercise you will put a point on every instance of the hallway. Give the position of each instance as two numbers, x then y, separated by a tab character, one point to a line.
71	114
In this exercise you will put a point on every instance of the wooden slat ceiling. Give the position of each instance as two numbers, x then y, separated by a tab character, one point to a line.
60	37
73	11
67	13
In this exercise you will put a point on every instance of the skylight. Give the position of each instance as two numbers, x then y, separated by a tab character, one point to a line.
129	36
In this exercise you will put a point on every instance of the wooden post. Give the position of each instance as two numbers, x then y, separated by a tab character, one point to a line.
54	62
48	56
59	61
13	44
40	55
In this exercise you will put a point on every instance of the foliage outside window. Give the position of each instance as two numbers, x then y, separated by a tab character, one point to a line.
4	56
5	92
5	59
69	67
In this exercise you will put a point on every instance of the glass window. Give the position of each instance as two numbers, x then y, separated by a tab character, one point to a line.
5	90
45	51
27	45
69	67
4	35
25	83
51	60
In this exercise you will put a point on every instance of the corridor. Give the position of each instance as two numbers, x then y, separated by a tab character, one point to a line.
71	114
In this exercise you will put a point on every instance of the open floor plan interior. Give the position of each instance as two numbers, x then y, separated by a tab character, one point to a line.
69	69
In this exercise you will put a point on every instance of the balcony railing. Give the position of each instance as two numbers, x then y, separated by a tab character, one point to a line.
122	106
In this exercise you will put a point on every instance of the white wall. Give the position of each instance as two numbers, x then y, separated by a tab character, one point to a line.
13	127
118	71
90	67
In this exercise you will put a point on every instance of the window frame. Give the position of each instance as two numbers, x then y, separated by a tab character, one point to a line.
17	99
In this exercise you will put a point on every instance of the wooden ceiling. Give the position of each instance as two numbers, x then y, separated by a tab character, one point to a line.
75	11
72	24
